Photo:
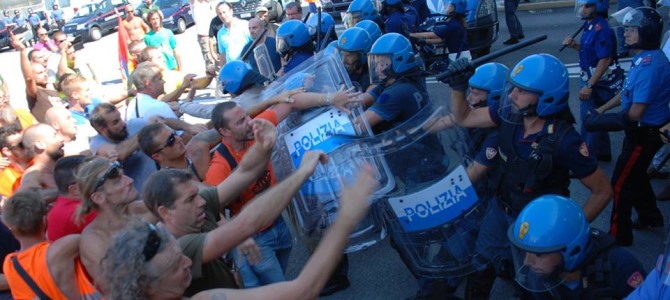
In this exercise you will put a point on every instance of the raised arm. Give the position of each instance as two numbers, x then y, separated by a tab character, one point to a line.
198	150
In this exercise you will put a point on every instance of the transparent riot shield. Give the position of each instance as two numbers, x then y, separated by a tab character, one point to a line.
433	213
326	128
264	62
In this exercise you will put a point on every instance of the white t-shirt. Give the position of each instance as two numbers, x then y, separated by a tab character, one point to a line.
202	15
147	107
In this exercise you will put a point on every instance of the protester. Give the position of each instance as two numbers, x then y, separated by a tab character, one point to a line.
162	39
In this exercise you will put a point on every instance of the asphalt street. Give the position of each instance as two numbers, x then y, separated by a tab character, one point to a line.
378	273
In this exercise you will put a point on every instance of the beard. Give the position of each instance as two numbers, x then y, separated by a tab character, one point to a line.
118	137
57	154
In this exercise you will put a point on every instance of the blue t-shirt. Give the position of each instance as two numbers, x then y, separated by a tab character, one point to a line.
82	118
572	152
401	23
57	15
7	20
231	41
454	35
163	40
398	102
297	59
20	21
271	45
647	83
138	165
34	20
597	42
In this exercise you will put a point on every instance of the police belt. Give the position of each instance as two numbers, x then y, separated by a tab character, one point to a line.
506	206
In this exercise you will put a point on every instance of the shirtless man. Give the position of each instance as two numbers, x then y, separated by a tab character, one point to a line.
45	145
135	26
41	95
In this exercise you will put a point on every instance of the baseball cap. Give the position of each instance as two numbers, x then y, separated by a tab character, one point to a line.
261	9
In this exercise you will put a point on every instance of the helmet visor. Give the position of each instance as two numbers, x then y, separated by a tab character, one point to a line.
380	67
537	272
283	45
517	103
584	10
617	18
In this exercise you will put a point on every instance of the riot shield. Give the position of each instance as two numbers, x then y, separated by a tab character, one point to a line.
264	62
315	206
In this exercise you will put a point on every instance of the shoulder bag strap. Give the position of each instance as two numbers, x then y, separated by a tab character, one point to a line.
28	280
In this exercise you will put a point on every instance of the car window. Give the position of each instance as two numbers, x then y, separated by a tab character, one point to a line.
167	3
86	10
118	2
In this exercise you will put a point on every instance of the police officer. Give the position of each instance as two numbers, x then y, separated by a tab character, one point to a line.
57	16
353	46
657	283
597	49
327	22
6	19
399	17
644	104
542	149
35	23
293	44
360	10
558	256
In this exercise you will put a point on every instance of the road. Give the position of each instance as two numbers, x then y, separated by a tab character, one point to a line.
378	273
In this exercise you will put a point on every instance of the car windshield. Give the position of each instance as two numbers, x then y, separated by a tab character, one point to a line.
87	9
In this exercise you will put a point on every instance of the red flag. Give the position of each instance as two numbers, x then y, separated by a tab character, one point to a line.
127	65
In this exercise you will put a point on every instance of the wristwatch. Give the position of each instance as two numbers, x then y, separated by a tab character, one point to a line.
589	85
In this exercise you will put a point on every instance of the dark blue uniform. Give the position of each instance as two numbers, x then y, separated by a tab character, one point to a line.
402	22
647	84
296	59
271	45
597	42
454	35
362	79
398	102
422	10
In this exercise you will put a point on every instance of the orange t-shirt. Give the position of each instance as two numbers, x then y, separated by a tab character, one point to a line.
8	178
34	262
219	170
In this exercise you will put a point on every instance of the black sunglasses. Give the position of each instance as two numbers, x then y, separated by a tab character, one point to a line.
153	243
115	171
169	143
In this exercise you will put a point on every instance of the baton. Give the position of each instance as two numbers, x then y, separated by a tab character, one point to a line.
574	35
318	26
326	38
495	54
253	45
304	20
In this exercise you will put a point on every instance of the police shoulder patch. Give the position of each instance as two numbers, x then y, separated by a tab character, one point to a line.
635	280
584	150
491	153
598	27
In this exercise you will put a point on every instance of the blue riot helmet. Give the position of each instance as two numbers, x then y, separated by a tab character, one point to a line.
354	41
236	76
649	27
290	35
543	75
549	238
384	6
326	22
360	10
391	56
491	78
601	7
372	28
459	7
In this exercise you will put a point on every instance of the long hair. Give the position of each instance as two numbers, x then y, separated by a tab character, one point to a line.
87	178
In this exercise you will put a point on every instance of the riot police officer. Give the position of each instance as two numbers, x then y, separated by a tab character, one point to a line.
293	44
597	50
353	46
657	284
372	28
451	33
360	10
327	22
644	106
399	17
558	256
542	149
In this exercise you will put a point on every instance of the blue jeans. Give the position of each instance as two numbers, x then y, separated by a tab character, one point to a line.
598	143
621	4
513	25
275	244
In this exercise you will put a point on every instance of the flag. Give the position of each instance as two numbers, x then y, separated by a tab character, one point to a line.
126	64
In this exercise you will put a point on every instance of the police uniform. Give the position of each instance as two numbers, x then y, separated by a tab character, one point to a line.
398	102
454	35
597	42
609	272
402	22
646	83
296	58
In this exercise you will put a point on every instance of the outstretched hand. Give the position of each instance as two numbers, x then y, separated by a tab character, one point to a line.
342	98
311	159
265	133
354	201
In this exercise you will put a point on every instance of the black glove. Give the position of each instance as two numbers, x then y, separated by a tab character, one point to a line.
595	121
461	70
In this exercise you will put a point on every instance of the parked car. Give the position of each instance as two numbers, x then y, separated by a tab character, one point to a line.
6	40
246	9
95	19
176	14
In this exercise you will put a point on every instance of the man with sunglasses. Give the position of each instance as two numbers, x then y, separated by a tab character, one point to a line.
116	140
52	268
135	26
44	43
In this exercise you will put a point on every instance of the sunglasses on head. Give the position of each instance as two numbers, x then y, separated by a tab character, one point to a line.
153	243
169	143
115	171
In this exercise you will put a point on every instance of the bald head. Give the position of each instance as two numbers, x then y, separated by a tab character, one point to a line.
61	119
43	139
256	27
35	134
